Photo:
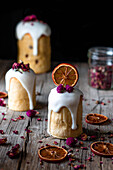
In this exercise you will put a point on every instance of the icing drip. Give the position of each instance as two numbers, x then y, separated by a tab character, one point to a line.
35	28
25	79
69	100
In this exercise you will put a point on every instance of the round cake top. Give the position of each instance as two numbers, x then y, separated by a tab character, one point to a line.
35	28
63	99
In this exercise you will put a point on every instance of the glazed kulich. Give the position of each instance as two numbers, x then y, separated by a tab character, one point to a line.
34	43
21	89
65	113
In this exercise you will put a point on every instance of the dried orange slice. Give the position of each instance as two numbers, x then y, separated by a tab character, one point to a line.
102	148
52	153
65	74
94	118
3	94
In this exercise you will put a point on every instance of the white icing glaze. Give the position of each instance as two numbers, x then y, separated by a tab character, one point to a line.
27	80
69	100
35	29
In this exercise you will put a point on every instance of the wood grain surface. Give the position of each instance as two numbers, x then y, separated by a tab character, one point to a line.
28	159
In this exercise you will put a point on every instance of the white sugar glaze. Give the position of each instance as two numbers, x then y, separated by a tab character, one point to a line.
35	29
27	80
69	100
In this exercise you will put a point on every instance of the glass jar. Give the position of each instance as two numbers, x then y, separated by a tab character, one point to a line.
100	73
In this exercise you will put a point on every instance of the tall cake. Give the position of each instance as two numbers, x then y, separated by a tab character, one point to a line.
20	84
34	43
65	104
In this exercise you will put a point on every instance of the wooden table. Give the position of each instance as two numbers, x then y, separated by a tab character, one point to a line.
28	159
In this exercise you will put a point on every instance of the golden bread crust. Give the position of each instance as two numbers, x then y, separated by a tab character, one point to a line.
40	63
61	122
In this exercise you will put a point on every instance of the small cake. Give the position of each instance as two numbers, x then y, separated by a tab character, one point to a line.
65	104
20	84
34	43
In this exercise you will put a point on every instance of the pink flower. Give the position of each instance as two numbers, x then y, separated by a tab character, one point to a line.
2	102
84	148
14	152
22	137
77	167
60	89
15	132
28	131
39	119
20	117
20	67
83	136
1	132
71	141
30	18
16	66
56	143
31	113
3	140
69	89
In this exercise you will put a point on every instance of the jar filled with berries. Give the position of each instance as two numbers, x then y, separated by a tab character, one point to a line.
100	73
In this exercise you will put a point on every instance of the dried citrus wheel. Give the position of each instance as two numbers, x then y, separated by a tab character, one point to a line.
65	74
102	148
52	153
94	118
3	94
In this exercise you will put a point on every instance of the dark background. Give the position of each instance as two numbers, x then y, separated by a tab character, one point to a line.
74	28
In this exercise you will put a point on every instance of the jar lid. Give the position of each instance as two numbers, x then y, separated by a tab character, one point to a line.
100	53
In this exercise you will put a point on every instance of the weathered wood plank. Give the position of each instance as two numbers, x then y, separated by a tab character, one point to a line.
29	146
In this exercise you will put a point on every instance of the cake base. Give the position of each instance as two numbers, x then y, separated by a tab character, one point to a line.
61	123
39	63
17	96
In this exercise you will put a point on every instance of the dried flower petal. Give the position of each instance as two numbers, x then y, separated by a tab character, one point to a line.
40	141
41	162
83	137
77	167
3	114
64	147
15	132
31	113
4	118
2	102
56	143
21	67
30	18
93	137
3	140
14	152
39	119
89	158
14	120
70	150
22	137
68	88
20	117
77	150
84	148
60	89
100	77
81	143
1	132
28	130
110	136
71	141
